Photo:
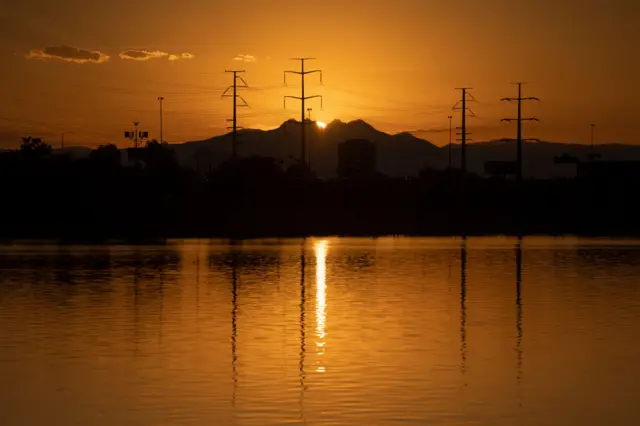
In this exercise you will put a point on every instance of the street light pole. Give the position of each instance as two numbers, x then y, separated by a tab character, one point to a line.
135	124
450	117
160	98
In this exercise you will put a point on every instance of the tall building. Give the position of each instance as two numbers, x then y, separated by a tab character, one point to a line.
356	158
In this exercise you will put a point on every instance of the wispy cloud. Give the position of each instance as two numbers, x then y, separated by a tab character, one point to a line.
142	54
179	56
245	58
68	54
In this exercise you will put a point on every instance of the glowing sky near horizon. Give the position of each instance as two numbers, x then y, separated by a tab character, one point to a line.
394	64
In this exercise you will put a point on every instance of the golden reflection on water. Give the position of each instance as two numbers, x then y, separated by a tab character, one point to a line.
207	332
321	300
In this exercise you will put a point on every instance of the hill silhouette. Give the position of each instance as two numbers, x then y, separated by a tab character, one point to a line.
399	155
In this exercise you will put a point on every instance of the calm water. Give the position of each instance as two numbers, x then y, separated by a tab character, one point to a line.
323	332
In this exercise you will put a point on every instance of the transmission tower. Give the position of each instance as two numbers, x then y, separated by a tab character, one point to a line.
519	120
234	120
302	98
461	106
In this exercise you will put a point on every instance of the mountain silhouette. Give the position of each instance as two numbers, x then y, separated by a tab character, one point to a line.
399	155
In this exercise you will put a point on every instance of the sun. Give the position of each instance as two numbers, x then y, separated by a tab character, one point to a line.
321	124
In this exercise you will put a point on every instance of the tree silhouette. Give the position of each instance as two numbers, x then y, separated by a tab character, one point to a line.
106	156
35	148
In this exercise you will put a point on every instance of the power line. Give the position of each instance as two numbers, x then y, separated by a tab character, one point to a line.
234	144
463	128
519	120
302	98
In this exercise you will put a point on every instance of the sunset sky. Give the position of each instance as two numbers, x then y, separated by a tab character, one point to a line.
394	64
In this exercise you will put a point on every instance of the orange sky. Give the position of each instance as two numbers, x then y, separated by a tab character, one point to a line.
392	63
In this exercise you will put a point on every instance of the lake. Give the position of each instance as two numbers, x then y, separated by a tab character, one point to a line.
335	331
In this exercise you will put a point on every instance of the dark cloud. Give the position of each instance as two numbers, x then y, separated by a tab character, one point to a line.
145	55
180	56
68	54
142	54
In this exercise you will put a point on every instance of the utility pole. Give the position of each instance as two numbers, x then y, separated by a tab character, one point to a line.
519	120
234	120
160	98
62	139
450	117
302	98
463	128
593	136
310	141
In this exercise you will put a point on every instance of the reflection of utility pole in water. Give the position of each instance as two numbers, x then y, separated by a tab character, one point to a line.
161	317
303	296
136	291
463	307
198	285
234	324
519	315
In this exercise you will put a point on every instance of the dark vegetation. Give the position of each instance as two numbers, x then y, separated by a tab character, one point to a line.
54	196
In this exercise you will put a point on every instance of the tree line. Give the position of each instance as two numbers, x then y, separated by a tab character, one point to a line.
49	194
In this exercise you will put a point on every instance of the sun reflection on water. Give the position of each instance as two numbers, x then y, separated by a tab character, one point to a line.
321	300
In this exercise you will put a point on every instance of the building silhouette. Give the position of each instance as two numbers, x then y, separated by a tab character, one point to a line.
357	159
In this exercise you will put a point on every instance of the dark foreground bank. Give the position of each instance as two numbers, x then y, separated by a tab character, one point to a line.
47	196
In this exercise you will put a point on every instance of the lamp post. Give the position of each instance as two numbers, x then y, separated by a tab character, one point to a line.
62	139
450	117
160	99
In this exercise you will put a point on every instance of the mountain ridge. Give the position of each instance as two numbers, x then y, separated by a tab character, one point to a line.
399	155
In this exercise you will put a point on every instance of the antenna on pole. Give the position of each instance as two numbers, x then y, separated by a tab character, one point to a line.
302	98
234	120
519	120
